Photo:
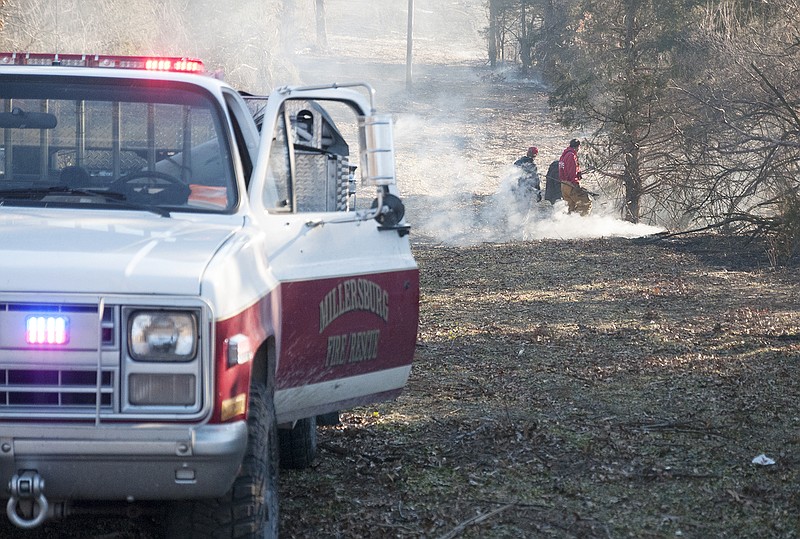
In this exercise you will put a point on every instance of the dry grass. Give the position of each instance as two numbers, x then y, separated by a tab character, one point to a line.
607	388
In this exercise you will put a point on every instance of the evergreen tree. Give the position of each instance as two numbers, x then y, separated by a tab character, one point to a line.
612	73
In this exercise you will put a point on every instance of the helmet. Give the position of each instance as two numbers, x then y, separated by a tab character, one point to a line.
533	151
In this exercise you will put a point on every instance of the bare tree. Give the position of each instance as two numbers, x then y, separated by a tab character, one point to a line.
552	37
494	10
251	52
514	28
106	26
740	123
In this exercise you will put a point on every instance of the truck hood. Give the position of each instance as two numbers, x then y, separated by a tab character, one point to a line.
107	252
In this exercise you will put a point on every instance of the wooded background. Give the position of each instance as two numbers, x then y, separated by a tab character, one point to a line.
691	106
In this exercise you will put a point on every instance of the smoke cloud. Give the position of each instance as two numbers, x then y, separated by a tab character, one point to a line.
462	217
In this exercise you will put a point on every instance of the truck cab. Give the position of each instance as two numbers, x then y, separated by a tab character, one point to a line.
185	268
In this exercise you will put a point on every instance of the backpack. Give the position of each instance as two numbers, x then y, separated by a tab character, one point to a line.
552	190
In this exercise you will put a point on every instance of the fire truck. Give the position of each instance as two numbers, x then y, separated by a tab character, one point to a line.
190	276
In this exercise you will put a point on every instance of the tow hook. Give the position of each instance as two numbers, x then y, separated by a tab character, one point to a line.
27	492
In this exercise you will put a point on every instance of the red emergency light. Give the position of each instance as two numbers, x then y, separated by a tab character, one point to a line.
145	63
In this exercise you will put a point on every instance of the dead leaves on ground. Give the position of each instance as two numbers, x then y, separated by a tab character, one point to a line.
587	388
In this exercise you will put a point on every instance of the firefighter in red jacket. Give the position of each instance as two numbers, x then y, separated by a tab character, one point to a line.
569	174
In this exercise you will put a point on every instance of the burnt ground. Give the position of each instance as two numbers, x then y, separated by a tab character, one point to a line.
599	388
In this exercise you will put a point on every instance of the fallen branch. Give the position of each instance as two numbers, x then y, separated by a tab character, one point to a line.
670	474
335	449
516	504
474	520
686	428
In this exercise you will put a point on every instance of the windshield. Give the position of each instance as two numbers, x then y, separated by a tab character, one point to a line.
117	144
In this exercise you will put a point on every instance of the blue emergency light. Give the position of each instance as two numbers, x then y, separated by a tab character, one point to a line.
47	330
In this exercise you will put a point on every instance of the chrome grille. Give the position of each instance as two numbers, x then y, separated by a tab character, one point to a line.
85	378
65	389
60	381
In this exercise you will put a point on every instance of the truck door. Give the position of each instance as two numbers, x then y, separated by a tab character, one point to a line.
338	244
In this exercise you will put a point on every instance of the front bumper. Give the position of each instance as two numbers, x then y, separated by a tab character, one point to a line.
141	462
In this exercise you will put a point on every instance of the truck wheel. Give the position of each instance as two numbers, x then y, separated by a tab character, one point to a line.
298	446
250	508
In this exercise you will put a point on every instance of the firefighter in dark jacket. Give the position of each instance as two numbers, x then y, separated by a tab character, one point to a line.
569	174
528	186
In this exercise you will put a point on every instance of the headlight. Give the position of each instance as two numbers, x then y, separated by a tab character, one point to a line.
163	336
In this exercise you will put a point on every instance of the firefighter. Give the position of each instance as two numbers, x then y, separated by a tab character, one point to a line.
569	174
528	185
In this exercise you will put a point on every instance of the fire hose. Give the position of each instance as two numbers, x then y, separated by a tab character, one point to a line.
581	189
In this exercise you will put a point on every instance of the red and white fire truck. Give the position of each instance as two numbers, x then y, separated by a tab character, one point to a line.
183	270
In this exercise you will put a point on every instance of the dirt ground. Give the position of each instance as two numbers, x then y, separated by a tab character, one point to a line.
601	388
593	388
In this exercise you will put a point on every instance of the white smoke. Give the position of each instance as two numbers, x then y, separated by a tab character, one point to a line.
561	225
463	218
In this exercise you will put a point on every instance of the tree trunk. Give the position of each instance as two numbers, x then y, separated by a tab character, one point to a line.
632	180
493	33
322	33
524	40
548	46
631	176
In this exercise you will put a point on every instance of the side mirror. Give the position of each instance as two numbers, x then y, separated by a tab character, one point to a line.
377	157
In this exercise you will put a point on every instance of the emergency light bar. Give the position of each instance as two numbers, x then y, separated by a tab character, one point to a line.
145	63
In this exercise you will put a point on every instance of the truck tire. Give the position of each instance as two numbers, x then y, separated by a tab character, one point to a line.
250	508
298	446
